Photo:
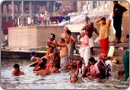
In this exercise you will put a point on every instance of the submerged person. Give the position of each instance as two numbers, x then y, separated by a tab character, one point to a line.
43	71
17	71
118	11
75	74
104	26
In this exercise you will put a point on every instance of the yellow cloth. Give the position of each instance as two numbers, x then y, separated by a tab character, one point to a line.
104	29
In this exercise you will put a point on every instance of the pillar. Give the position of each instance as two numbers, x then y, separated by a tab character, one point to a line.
30	8
22	6
12	4
98	4
79	6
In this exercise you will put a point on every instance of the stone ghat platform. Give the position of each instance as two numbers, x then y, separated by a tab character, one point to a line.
32	36
20	54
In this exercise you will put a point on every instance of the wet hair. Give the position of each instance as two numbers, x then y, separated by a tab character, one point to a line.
92	60
53	35
103	18
17	66
62	39
68	32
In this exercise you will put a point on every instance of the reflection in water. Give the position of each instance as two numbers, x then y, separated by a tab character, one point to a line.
54	81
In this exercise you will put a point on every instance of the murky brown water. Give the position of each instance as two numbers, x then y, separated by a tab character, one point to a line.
54	81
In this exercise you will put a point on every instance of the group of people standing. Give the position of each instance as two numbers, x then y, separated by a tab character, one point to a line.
59	55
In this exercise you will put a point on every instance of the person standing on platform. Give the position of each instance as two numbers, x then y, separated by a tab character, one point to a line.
126	63
118	11
70	45
84	48
89	29
103	34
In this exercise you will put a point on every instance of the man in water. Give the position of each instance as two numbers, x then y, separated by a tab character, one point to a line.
118	11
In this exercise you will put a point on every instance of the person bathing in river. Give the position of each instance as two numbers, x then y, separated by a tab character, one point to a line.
84	48
63	53
70	45
93	69
17	71
89	28
43	71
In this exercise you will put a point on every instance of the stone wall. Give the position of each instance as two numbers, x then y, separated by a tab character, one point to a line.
32	36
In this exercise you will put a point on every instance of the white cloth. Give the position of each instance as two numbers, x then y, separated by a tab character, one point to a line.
108	62
86	54
63	61
91	42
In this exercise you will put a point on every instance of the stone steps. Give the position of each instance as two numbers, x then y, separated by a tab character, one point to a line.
117	52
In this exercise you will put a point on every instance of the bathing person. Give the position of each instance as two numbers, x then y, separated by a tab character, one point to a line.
70	45
104	25
64	34
103	68
17	71
39	61
43	71
73	78
50	59
89	28
52	39
73	68
118	11
84	48
79	66
94	71
63	53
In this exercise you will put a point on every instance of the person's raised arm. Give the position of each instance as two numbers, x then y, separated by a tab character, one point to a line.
57	44
97	22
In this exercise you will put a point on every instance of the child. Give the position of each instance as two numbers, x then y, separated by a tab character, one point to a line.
17	71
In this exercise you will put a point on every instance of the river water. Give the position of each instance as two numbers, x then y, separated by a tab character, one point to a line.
53	81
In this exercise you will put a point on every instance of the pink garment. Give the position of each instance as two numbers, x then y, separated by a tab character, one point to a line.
84	40
94	70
